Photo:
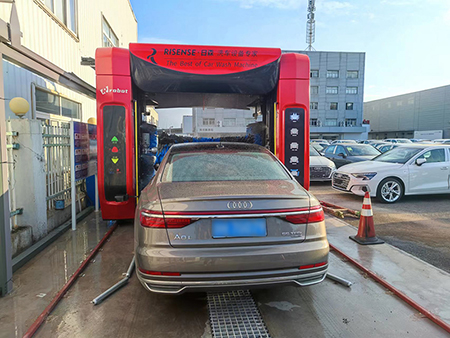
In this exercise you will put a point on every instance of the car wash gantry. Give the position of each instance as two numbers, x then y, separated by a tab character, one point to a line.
276	85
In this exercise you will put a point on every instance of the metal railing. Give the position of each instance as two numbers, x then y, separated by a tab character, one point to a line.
56	143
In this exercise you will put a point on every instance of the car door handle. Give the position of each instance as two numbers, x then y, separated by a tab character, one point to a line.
444	168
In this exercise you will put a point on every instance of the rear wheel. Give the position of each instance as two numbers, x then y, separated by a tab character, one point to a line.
390	190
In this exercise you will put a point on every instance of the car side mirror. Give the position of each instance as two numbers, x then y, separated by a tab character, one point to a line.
420	161
156	166
342	155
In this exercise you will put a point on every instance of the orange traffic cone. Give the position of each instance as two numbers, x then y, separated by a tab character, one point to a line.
366	230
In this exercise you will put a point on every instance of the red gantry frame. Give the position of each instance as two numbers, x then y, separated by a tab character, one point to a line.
170	76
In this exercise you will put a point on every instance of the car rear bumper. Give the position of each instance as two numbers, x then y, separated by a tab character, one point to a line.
231	281
205	269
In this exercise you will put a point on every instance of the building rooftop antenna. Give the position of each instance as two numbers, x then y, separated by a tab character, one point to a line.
311	25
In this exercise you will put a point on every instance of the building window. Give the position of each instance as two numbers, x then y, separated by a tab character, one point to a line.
65	11
399	103
349	106
411	100
330	122
109	38
314	105
352	74
229	122
53	103
209	121
314	73
333	74
333	106
350	122
351	90
314	122
314	90
332	90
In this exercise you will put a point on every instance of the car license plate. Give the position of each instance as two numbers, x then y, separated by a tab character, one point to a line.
250	227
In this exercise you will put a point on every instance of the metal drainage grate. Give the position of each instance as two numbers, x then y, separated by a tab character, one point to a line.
235	314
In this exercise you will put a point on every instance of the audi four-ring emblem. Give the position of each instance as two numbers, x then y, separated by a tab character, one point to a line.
239	205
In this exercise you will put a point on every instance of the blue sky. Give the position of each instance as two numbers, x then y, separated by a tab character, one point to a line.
407	42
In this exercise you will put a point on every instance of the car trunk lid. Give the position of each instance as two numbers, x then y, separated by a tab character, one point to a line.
240	203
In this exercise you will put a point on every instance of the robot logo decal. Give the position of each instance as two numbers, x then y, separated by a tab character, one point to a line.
294	132
294	146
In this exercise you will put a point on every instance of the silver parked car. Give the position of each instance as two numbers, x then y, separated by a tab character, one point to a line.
227	216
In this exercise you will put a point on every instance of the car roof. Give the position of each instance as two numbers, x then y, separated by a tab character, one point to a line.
423	145
349	144
199	146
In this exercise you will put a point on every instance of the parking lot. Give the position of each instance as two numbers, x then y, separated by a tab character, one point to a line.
419	225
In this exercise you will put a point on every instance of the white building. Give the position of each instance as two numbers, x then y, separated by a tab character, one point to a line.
47	41
216	122
186	126
42	43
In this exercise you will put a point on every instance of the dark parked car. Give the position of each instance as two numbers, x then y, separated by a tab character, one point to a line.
385	147
342	154
227	216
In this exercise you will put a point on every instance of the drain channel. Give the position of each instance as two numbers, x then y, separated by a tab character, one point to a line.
235	314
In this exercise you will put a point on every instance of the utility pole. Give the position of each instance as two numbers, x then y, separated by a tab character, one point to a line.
311	25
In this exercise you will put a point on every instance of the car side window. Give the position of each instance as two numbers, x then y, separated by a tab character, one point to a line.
330	150
434	156
339	150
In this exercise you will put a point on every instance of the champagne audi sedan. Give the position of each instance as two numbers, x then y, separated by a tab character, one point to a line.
221	216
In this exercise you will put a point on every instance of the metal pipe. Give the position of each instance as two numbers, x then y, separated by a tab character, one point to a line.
131	267
339	280
97	300
12	179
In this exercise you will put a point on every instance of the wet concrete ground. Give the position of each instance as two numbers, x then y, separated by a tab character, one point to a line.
419	225
324	310
37	282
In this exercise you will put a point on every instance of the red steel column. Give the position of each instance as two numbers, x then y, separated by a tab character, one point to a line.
293	92
114	89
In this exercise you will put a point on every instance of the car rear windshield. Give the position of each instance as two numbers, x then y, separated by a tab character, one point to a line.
222	166
361	150
398	155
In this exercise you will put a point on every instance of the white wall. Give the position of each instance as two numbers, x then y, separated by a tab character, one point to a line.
18	82
45	35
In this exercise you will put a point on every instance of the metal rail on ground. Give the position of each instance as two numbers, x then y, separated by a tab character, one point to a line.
38	322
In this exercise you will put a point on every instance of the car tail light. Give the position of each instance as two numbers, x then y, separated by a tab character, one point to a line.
150	220
310	266
315	214
159	273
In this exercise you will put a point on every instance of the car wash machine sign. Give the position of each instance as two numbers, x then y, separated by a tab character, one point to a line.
233	59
